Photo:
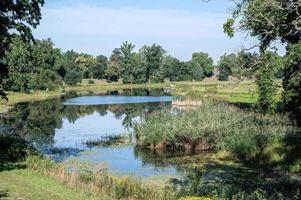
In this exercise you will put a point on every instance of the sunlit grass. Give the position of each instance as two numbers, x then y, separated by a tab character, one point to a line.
98	182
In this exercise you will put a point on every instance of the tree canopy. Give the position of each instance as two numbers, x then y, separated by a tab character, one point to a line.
270	21
16	18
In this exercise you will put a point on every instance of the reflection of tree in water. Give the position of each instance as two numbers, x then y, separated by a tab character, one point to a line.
37	121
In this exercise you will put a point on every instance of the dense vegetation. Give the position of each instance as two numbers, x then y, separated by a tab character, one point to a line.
16	18
268	141
270	21
215	127
41	66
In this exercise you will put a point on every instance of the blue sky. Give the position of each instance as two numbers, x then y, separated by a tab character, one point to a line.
180	26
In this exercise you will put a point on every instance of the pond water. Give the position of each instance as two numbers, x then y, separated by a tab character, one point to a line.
61	128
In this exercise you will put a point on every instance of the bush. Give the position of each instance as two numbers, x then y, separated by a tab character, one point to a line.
90	81
292	82
47	79
73	77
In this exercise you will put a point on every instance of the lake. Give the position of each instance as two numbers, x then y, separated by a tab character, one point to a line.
61	128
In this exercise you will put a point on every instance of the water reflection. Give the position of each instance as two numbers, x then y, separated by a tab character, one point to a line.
123	160
51	123
62	131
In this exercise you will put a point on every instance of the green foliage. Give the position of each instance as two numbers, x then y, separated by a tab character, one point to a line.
32	67
113	71
269	21
73	77
86	64
292	82
226	63
17	18
204	61
196	70
44	67
90	81
133	71
153	60
269	63
68	62
170	66
98	69
47	79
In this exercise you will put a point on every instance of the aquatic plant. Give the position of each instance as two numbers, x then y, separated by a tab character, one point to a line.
109	140
216	126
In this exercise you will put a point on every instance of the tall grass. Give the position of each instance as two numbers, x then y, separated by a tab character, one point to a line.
216	126
99	183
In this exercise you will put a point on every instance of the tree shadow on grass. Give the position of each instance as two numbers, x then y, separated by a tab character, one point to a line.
229	180
13	149
3	194
292	150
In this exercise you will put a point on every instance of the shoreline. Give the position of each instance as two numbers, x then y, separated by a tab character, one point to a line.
232	92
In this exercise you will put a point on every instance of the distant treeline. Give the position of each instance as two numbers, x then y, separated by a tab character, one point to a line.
41	66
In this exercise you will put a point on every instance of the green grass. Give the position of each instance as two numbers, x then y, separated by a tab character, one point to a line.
98	181
32	185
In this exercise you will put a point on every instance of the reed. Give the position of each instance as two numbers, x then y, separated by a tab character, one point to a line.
216	126
99	183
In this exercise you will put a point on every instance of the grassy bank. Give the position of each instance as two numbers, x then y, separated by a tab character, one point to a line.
29	184
96	183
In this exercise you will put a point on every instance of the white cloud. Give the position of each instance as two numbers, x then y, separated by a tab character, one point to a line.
99	30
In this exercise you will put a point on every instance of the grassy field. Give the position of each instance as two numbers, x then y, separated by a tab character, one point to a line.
28	184
242	92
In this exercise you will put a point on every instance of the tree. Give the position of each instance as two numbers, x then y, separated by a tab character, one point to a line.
85	62
226	63
138	69
68	62
20	68
268	63
47	80
171	67
153	59
45	56
196	71
16	18
32	66
126	50
269	21
98	70
113	71
292	81
73	77
204	61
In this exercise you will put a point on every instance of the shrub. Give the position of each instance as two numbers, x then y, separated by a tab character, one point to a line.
73	77
90	81
47	79
292	82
